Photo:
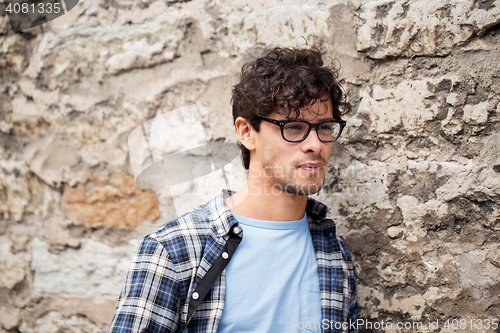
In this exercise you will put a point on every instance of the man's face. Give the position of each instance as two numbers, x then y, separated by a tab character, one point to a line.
296	168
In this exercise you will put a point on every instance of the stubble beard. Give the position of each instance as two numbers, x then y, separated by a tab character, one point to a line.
286	178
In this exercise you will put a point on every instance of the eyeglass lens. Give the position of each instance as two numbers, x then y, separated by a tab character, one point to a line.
296	131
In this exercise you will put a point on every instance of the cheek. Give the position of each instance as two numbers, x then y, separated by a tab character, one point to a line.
328	151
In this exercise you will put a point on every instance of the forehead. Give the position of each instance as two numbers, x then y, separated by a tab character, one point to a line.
319	109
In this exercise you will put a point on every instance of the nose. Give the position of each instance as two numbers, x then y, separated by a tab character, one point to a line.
312	142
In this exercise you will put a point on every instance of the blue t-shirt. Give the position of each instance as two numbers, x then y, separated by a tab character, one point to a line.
272	282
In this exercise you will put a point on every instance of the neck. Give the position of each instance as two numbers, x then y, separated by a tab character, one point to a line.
259	200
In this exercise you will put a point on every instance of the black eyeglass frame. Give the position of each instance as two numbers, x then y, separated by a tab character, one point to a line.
282	123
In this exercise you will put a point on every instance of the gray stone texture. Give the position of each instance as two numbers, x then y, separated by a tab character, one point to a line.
413	184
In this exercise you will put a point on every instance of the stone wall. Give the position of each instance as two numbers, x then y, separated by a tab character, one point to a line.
413	184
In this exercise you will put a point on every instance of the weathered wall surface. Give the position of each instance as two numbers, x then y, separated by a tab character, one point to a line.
414	183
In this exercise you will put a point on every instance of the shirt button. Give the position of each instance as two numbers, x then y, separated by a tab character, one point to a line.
236	230
220	231
196	295
225	255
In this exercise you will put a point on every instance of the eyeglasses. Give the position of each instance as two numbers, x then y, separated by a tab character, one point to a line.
298	130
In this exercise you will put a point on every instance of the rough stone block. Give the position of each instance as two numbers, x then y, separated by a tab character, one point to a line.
403	106
476	114
393	28
114	202
12	265
92	270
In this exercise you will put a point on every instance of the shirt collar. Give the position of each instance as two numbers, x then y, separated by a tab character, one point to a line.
316	209
223	220
220	214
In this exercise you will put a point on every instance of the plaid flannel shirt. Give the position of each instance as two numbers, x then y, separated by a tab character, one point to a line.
176	282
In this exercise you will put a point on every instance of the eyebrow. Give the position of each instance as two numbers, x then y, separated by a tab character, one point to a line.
315	119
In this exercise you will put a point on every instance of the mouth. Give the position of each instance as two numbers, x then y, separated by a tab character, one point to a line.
313	167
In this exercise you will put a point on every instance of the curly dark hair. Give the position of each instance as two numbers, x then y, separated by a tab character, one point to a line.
285	78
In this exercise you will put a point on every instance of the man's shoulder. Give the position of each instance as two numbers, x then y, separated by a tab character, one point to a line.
317	212
196	220
196	224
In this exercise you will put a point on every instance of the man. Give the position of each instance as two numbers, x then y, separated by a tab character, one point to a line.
264	259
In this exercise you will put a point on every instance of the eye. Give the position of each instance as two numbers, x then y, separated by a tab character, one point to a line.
296	126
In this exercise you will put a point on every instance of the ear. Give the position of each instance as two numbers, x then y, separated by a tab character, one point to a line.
245	133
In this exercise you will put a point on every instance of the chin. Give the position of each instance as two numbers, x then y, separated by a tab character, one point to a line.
304	189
